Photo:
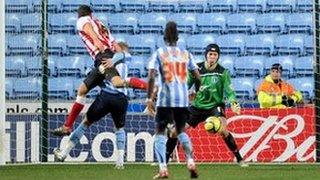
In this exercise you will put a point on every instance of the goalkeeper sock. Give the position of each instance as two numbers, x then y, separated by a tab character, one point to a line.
186	144
171	144
120	138
229	140
137	83
75	111
160	149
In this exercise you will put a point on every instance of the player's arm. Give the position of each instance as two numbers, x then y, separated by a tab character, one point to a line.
88	29
196	79
231	95
190	79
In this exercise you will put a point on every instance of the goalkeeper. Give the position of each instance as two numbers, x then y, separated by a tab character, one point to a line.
215	81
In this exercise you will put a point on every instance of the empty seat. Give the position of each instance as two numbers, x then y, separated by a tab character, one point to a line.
30	45
211	22
271	23
137	66
250	66
243	88
9	88
197	44
244	23
57	44
231	44
304	5
31	23
285	61
305	86
123	22
222	5
60	88
34	67
228	63
291	44
198	58
299	23
18	6
303	66
121	37
134	6
260	44
280	5
54	6
71	66
252	5
152	22
75	45
27	88
198	6
186	22
72	6
105	6
52	65
181	41
141	44
163	6
13	23
15	66
308	44
62	23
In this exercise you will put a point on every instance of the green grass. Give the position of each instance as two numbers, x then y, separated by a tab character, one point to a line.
144	171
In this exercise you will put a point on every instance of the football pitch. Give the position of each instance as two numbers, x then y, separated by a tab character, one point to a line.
145	171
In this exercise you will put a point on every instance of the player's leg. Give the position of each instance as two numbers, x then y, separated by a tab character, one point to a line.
118	108
180	117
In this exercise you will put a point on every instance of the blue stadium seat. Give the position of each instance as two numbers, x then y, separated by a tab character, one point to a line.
137	66
303	66
57	44
31	23
134	6
52	65
30	45
249	66
198	58
15	66
258	6
152	22
163	6
243	88
304	6
291	44
18	6
71	66
244	23
34	66
13	23
9	88
197	44
54	6
211	22
186	22
280	5
60	88
123	22
222	5
308	44
121	37
62	23
198	6
257	83
72	6
262	44
181	41
142	44
285	61
299	23
305	86
106	6
75	45
228	63
231	44
271	23
27	88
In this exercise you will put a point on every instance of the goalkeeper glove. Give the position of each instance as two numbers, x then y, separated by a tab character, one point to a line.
235	107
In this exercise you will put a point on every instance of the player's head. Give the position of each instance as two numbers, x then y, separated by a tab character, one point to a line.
212	54
275	72
171	34
84	10
123	46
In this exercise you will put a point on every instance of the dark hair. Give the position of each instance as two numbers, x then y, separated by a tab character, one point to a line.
84	10
171	33
276	66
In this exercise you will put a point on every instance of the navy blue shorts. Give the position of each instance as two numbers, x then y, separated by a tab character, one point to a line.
106	103
176	115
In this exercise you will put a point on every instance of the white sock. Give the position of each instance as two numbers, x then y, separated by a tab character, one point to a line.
163	166
70	145
120	159
81	100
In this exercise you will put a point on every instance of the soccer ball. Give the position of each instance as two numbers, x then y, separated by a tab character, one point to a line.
212	124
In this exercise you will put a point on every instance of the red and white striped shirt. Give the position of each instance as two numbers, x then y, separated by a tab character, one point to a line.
103	33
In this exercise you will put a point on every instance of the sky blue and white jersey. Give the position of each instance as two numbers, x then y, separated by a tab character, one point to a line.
172	65
122	69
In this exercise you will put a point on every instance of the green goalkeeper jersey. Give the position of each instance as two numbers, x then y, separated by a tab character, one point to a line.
213	86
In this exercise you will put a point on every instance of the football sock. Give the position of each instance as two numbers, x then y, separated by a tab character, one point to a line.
120	139
160	149
186	144
75	111
229	140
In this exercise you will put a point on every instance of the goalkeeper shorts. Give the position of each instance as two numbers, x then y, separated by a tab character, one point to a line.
200	115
